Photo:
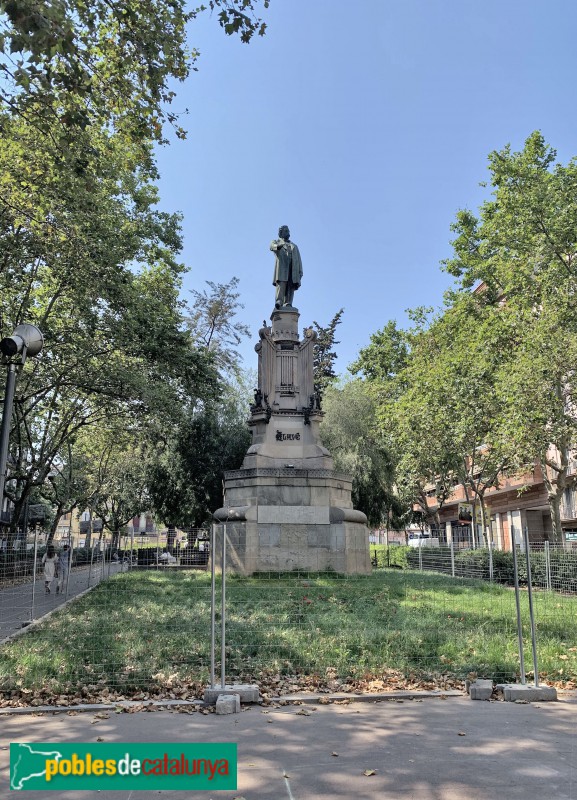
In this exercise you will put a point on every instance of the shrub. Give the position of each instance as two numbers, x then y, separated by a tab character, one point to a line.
392	555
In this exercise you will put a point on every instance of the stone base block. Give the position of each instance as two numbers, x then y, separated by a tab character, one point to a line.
529	693
291	520
228	704
481	690
341	547
246	692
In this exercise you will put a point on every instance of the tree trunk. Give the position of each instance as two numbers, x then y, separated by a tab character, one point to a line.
52	531
88	537
555	486
555	509
484	520
170	537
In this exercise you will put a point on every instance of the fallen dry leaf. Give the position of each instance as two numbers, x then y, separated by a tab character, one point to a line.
334	754
461	733
369	772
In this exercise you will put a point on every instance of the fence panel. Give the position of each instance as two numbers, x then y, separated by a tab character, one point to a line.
426	617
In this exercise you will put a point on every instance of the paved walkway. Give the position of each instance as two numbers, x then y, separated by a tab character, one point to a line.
20	605
453	749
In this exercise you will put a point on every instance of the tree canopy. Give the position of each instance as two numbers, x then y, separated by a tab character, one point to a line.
485	386
103	63
85	94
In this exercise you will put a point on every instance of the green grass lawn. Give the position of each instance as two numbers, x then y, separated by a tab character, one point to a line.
150	631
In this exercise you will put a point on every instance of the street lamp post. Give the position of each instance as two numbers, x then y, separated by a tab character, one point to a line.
26	340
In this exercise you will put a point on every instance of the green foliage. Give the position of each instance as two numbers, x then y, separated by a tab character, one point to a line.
104	64
324	355
185	480
211	320
88	259
385	357
390	556
484	387
85	95
522	246
350	433
476	564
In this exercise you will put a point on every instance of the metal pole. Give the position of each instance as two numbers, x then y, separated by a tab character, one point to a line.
223	611
548	565
32	609
388	549
131	547
103	558
70	561
91	560
212	606
490	543
5	430
452	556
25	520
531	614
91	540
518	605
420	554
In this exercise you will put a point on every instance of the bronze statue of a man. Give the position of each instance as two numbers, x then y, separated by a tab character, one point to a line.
288	268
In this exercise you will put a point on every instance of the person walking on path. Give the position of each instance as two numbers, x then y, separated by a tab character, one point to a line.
50	561
63	568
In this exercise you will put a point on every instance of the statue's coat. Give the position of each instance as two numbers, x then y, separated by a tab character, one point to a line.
284	262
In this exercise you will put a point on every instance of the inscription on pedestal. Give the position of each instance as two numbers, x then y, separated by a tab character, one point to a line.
287	437
294	515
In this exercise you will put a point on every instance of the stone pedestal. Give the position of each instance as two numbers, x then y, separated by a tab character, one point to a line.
286	508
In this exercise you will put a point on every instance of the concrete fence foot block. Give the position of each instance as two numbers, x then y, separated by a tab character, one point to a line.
481	689
247	692
526	692
228	704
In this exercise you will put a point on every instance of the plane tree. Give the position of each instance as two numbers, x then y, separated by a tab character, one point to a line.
522	246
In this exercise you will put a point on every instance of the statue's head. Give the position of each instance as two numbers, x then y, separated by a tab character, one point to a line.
284	232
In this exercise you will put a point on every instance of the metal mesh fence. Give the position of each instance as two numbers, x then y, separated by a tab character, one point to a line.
425	617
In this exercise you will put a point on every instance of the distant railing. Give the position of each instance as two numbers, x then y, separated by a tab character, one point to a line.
553	566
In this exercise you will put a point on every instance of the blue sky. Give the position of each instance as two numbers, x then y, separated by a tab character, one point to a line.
364	126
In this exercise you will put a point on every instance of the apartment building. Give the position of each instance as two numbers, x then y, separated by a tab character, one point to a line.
518	501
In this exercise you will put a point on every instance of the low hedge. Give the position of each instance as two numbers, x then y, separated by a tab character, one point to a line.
475	564
392	555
